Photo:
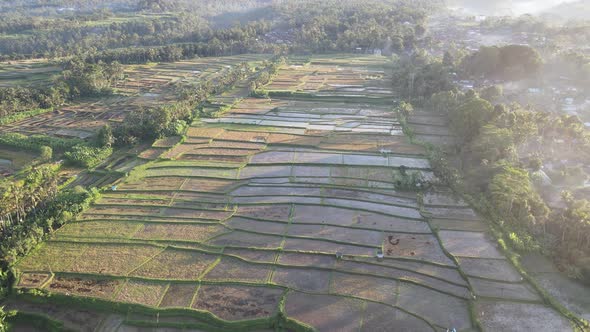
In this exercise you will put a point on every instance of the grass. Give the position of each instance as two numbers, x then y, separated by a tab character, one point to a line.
173	264
139	292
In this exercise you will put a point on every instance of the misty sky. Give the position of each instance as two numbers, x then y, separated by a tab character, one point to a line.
504	7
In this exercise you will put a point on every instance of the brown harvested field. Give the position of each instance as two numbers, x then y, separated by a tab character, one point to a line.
100	288
180	150
302	279
234	303
179	296
308	260
202	132
345	235
370	288
327	247
32	280
208	185
178	232
216	159
236	145
116	199
246	240
417	246
325	312
125	210
99	258
197	214
151	154
265	212
176	264
104	229
264	227
220	152
260	256
167	142
163	183
303	140
232	269
142	292
244	136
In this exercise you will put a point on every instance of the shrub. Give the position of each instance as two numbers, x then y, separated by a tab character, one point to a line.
86	156
35	142
46	153
105	137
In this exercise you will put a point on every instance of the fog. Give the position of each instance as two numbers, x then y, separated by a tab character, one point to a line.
505	7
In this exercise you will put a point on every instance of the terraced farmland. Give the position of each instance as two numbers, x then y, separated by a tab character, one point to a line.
144	86
290	213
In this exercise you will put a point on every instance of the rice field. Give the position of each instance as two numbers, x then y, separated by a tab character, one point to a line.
145	86
288	212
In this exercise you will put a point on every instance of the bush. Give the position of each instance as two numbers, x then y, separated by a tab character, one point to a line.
23	115
409	181
18	239
86	156
105	137
46	153
36	142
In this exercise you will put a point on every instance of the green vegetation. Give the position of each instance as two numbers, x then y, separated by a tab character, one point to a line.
419	76
37	142
170	31
507	62
78	79
23	115
87	156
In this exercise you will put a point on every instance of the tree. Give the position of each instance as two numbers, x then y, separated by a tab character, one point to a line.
468	118
514	198
509	62
493	144
492	93
46	153
536	164
448	59
3	316
406	109
105	137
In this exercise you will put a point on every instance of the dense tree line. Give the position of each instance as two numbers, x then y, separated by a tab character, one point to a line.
173	119
78	79
391	25
573	65
175	52
19	99
503	182
265	76
48	211
418	76
74	37
505	62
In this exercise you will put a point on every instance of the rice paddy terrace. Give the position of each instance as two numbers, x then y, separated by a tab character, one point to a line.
144	86
273	215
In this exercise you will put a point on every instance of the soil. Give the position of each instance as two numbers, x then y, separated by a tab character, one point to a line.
238	302
84	287
178	296
418	246
32	280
